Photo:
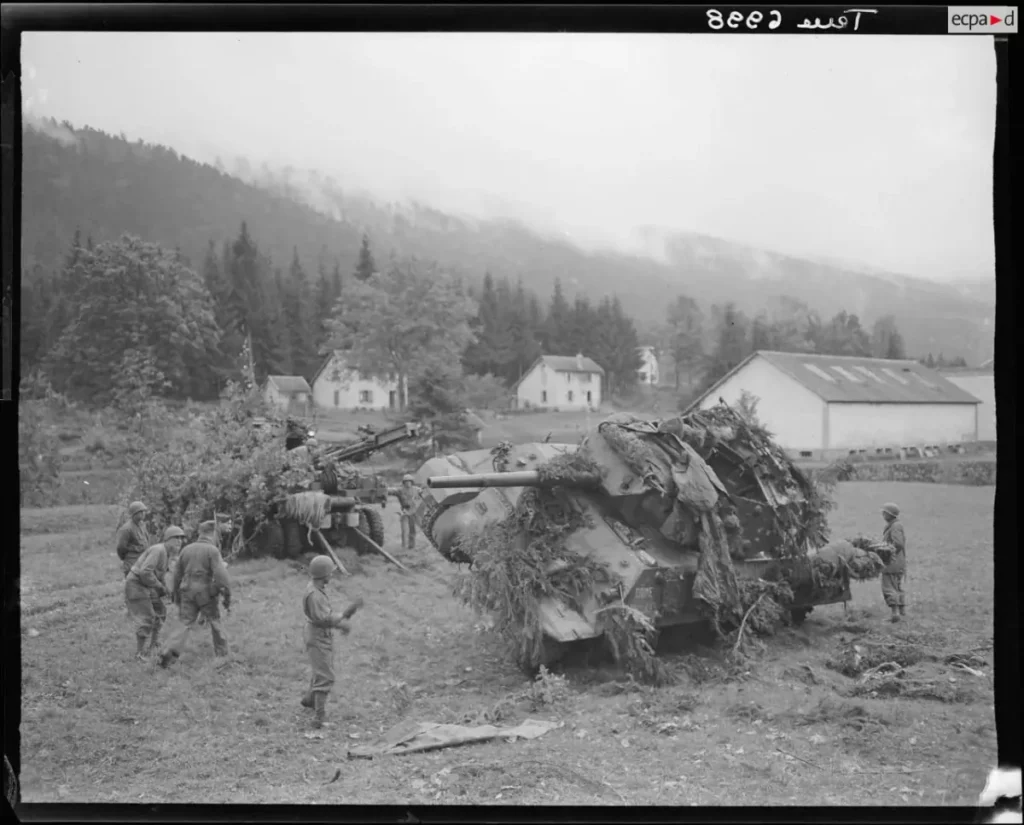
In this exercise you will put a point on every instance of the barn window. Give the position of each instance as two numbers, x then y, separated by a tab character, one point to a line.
819	372
849	376
898	378
366	396
868	373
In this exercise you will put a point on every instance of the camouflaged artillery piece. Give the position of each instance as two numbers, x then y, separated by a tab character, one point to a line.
348	513
677	512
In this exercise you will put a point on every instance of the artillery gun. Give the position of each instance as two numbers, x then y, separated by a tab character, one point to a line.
651	494
351	517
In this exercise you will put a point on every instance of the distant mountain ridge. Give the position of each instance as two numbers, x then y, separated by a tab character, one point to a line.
81	177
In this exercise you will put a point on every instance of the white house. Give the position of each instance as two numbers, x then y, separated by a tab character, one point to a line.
648	371
338	387
561	382
287	391
823	406
981	383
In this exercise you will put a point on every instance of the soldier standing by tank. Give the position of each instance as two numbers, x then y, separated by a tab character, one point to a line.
145	588
199	578
894	572
407	495
132	536
321	622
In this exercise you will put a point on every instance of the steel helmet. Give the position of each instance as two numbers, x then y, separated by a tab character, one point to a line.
407	477
136	507
321	567
891	509
173	532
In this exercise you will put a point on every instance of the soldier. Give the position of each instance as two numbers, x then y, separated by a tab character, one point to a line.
406	495
199	578
896	567
321	622
132	537
145	588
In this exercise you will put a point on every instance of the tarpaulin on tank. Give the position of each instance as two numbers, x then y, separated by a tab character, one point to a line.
671	467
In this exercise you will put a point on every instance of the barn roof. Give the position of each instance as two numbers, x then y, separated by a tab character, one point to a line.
289	383
844	379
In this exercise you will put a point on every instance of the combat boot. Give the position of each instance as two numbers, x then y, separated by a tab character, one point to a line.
307	700
895	617
140	647
154	643
319	710
168	657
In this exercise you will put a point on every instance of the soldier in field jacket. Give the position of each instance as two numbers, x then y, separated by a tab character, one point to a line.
200	577
132	537
321	622
145	588
894	572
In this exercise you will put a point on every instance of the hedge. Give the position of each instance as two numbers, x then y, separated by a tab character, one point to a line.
969	473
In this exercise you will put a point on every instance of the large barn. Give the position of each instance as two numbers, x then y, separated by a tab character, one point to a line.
981	383
823	406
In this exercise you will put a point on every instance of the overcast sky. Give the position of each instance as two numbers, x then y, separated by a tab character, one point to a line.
872	149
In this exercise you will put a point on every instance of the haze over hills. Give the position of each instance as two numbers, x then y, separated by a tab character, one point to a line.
105	185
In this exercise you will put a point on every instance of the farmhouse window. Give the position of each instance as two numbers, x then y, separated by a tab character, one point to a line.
366	396
588	396
544	397
585	378
569	395
337	397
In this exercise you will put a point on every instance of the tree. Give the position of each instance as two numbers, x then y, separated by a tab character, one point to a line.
402	321
843	335
555	337
732	341
131	295
685	340
886	341
365	266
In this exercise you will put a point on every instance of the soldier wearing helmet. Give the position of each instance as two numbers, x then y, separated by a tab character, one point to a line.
321	622
199	578
894	572
407	496
145	588
133	537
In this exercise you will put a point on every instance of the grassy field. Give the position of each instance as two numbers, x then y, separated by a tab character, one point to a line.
100	727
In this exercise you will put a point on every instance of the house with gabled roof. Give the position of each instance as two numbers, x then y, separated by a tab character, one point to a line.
824	406
981	383
337	386
287	392
560	382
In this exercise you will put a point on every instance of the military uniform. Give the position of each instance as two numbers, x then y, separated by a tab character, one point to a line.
318	635
199	578
407	496
132	541
144	589
894	572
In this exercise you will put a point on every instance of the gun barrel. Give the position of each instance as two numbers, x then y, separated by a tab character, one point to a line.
522	478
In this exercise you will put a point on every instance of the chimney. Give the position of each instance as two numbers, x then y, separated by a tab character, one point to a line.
579	361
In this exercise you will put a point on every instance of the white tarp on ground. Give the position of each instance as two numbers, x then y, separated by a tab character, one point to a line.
413	737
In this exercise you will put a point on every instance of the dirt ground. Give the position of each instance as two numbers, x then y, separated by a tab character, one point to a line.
98	726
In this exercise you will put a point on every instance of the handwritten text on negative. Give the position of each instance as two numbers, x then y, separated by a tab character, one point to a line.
752	20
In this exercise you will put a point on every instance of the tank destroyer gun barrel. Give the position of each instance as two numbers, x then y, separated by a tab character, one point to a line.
522	478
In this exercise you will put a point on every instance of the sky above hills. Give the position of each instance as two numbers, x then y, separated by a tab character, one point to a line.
874	150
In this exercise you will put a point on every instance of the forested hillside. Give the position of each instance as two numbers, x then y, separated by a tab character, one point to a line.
105	186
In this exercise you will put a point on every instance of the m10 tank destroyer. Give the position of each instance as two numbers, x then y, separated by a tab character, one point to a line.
677	513
344	507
